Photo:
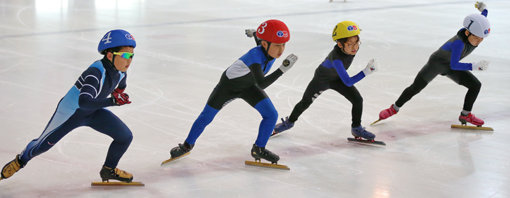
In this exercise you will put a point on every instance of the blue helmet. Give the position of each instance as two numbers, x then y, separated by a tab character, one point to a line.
116	38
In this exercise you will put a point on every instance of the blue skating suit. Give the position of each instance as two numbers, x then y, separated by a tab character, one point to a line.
245	79
84	105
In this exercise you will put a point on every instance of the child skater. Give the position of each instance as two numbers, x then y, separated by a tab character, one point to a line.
84	105
332	74
445	61
246	79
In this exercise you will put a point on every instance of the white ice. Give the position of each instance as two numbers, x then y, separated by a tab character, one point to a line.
185	45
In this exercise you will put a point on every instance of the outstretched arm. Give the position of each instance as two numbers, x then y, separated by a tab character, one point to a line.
252	33
262	81
268	80
482	7
342	73
455	64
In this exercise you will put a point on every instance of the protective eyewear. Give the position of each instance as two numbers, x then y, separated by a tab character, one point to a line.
126	55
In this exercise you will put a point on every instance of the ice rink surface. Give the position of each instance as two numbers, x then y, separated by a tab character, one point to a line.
182	49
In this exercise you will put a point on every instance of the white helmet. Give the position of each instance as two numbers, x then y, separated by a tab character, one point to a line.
478	25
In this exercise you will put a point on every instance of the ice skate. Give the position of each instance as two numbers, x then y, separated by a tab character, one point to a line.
108	173
360	132
363	136
12	167
261	152
471	118
179	151
281	127
124	178
386	113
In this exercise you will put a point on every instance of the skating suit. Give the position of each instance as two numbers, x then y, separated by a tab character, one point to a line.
245	79
332	74
445	61
84	105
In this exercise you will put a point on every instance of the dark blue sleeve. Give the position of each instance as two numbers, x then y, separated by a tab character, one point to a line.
122	83
344	76
456	49
485	12
90	80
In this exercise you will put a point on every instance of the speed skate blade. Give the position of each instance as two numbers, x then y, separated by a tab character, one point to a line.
366	141
375	122
172	159
266	165
458	126
274	134
117	184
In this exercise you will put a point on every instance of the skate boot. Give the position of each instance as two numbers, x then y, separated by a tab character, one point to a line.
386	113
285	125
471	119
360	132
107	173
262	152
12	167
181	150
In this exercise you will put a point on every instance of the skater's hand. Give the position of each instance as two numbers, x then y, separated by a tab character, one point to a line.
481	65
249	32
119	97
288	62
481	6
371	67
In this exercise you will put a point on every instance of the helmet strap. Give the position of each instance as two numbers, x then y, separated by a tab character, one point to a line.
112	62
268	46
343	46
266	51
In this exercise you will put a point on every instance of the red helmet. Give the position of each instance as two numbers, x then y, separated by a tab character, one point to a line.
274	31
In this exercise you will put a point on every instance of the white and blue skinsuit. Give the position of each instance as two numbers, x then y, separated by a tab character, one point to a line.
245	79
84	105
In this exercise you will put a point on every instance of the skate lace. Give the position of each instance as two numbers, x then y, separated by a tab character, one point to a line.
184	147
265	152
12	167
361	131
286	122
472	117
391	110
122	173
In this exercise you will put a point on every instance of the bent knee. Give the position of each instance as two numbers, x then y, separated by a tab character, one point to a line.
272	115
125	138
476	85
358	100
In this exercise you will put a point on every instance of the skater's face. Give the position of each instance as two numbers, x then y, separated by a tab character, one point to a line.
473	39
123	58
275	49
351	45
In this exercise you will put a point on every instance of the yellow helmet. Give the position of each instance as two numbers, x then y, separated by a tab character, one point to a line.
345	29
